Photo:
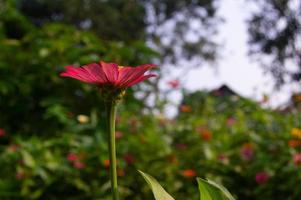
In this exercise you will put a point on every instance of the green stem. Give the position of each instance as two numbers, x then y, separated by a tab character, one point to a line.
111	115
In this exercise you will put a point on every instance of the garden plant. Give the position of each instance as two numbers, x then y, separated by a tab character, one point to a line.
55	133
112	81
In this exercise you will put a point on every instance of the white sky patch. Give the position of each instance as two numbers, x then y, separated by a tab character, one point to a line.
235	68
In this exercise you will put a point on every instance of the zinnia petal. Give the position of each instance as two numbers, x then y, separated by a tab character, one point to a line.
129	75
124	74
96	71
78	73
111	71
104	74
142	78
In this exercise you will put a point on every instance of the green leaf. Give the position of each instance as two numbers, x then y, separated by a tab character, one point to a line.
210	190
158	190
28	159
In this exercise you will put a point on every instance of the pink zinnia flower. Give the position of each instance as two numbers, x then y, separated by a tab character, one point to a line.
72	157
109	74
262	177
297	159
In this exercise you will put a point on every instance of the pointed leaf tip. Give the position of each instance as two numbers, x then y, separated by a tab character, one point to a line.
209	190
157	189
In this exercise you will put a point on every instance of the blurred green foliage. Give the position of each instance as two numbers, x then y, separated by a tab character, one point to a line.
228	139
32	94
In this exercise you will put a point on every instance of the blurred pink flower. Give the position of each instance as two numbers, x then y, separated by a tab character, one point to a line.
103	74
231	121
2	132
223	159
247	151
79	165
174	83
118	134
297	159
262	177
72	157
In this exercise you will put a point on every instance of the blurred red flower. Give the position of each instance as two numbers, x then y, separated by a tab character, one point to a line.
189	173
262	177
106	163
129	158
174	83
110	74
206	135
294	143
185	108
2	132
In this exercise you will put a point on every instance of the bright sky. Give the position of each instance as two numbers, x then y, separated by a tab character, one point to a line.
234	68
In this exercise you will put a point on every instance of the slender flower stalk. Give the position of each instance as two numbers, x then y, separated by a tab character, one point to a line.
111	108
112	81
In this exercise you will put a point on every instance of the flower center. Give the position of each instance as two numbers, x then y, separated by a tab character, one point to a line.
110	93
